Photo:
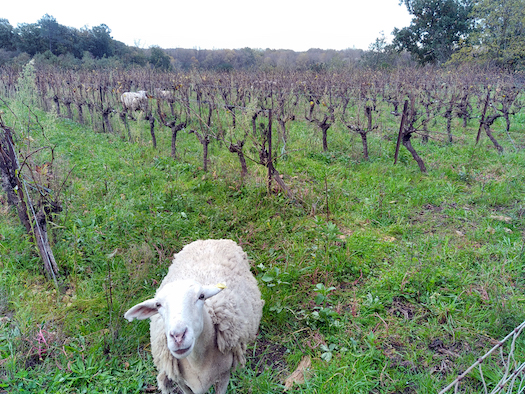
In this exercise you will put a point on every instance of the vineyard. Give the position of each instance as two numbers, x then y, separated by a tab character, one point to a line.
382	210
208	103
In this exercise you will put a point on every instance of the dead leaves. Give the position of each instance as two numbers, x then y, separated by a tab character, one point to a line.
302	373
501	218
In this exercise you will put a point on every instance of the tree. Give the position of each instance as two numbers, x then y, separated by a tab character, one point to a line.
380	54
246	58
499	34
436	29
28	39
98	41
7	35
136	56
159	59
50	32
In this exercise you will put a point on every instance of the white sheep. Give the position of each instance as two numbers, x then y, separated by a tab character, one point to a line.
166	95
134	100
197	340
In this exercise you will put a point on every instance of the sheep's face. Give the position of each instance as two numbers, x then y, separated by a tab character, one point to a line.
181	306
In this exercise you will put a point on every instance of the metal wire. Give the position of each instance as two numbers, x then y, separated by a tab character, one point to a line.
512	371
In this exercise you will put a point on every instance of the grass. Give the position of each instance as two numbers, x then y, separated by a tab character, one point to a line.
392	281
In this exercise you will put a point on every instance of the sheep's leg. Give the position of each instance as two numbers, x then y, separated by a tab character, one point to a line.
185	389
168	386
222	384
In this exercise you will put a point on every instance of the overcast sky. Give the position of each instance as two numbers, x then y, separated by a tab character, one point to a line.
224	24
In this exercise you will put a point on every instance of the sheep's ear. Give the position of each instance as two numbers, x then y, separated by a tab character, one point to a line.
210	291
142	311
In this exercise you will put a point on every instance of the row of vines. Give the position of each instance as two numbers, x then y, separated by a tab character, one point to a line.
247	110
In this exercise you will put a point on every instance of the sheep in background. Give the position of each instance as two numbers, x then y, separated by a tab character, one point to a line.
164	95
134	101
200	329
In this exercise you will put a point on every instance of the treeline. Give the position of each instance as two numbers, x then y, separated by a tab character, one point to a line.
50	43
487	33
247	58
47	35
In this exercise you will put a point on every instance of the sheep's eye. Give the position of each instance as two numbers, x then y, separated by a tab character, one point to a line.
158	305
201	297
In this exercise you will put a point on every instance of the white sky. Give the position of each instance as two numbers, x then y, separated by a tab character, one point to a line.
224	24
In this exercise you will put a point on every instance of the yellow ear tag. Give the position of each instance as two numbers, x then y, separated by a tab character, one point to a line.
221	285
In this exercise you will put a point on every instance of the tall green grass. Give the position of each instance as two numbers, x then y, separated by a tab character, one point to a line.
367	270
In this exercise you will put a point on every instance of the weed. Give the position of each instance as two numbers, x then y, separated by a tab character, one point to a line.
322	293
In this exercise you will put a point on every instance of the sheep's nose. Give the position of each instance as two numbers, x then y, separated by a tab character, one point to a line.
178	337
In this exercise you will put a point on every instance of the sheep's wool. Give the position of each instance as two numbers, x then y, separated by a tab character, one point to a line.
235	312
